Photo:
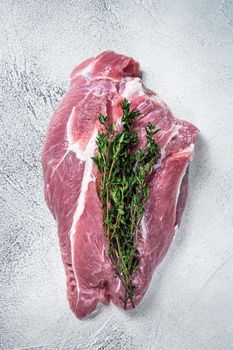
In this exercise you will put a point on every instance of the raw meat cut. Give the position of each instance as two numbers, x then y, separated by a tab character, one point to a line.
98	85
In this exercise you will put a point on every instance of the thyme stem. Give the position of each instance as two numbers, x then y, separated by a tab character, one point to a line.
124	191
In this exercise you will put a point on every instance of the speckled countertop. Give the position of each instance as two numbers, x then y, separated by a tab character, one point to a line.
186	52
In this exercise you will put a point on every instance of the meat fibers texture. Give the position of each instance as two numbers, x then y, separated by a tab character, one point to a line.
98	85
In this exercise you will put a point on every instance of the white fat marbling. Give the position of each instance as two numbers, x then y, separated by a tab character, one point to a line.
143	228
133	88
180	182
87	177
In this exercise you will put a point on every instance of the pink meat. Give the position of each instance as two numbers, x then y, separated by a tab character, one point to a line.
99	85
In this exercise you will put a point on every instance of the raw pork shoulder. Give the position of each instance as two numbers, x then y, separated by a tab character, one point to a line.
98	85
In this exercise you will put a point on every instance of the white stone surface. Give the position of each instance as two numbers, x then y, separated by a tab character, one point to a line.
186	52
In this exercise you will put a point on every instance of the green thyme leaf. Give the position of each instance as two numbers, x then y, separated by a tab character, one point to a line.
123	190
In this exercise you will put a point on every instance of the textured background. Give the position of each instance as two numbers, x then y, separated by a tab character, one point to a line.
185	49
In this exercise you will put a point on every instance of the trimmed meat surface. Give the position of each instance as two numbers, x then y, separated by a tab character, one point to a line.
98	85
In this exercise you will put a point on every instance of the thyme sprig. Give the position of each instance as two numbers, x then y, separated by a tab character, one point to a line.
123	190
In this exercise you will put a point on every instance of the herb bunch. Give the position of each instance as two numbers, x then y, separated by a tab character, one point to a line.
123	190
